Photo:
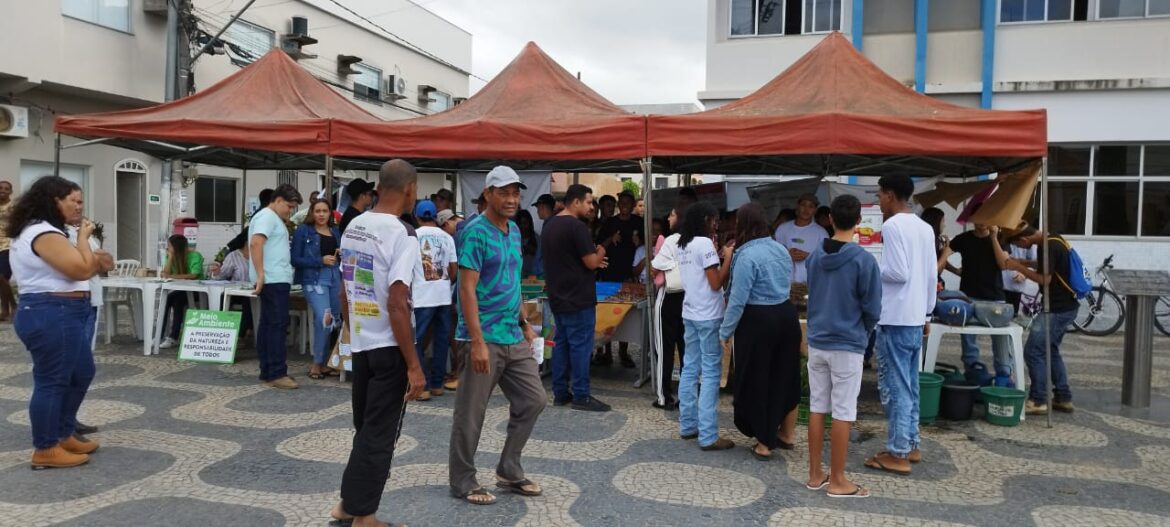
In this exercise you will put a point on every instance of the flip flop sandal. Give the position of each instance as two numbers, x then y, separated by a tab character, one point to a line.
316	376
518	487
823	484
876	463
478	492
760	456
859	492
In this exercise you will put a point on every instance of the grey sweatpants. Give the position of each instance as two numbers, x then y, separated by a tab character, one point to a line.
515	370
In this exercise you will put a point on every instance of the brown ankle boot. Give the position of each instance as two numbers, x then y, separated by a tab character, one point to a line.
78	444
57	457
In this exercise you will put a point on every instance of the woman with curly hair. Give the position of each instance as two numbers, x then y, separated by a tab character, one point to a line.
54	317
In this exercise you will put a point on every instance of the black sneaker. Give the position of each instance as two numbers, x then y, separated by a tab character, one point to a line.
85	429
627	361
591	405
603	359
562	401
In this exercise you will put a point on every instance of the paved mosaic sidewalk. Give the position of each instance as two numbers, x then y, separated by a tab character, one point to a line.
187	444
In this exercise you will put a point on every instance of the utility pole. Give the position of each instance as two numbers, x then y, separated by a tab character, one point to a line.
171	83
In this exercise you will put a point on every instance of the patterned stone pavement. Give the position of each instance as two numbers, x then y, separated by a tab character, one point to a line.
187	444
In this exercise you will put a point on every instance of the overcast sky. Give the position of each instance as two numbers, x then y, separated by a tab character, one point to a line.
630	51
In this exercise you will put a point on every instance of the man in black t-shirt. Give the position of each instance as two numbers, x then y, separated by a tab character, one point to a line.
617	236
981	278
1063	306
570	259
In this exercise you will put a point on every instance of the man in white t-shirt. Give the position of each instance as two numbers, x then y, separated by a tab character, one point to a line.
909	284
802	236
432	293
378	257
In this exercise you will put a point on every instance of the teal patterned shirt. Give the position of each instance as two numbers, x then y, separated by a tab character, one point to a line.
496	256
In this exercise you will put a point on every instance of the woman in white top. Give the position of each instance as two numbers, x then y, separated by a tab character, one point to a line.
54	316
668	334
702	281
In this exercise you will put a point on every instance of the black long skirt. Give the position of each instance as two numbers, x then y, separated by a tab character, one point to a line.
767	370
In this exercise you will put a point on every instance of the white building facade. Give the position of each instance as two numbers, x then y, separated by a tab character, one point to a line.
82	56
1101	68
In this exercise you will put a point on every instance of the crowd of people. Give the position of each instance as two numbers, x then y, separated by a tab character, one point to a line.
396	276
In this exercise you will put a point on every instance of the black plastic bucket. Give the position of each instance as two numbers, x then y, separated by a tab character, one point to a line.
958	399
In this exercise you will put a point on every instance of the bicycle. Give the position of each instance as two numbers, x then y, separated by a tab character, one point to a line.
1102	312
1162	315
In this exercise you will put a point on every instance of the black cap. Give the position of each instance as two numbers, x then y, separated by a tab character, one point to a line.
445	193
546	199
358	187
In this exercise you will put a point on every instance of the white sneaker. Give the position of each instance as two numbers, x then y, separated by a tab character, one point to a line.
167	343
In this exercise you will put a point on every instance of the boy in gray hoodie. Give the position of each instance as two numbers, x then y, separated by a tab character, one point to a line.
844	304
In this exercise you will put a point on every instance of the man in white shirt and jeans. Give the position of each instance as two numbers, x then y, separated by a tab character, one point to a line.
909	282
378	257
432	293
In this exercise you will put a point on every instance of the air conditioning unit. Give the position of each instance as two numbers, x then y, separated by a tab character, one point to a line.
13	121
395	88
456	101
155	7
424	93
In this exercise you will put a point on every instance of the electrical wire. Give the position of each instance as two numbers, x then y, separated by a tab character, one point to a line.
407	43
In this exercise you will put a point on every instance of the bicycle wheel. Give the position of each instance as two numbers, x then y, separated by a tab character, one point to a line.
1162	315
1101	313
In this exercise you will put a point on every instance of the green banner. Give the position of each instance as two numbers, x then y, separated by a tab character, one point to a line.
210	336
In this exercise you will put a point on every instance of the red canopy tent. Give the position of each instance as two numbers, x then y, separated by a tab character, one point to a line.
533	115
270	115
835	112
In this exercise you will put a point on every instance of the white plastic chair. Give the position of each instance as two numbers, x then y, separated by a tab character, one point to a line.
127	298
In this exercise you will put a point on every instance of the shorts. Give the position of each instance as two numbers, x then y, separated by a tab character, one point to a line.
834	382
5	266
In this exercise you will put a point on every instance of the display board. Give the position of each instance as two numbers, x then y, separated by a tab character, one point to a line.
210	336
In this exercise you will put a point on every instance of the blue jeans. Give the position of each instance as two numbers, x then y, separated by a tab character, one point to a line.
270	347
58	333
439	318
898	348
572	346
322	296
1057	325
698	404
1001	349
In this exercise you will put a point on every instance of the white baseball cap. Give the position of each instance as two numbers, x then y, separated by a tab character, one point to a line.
503	176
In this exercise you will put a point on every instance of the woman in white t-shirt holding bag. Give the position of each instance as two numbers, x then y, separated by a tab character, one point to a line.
703	304
54	318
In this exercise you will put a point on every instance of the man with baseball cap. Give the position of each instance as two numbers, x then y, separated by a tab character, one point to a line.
443	199
361	196
431	294
802	236
500	353
546	206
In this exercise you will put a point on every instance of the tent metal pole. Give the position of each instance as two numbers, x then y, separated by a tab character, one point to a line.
244	201
329	179
648	228
1047	290
57	154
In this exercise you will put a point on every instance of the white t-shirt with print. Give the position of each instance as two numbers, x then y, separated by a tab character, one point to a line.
700	302
377	250
806	238
432	285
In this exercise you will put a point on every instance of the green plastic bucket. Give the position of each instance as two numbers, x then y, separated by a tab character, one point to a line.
1004	405
929	391
950	373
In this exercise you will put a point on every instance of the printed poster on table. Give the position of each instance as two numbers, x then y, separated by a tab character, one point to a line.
210	336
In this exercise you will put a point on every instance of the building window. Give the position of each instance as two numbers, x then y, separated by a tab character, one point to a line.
248	41
1109	190
287	177
439	101
784	17
661	182
367	83
30	171
215	200
114	14
1043	10
1132	8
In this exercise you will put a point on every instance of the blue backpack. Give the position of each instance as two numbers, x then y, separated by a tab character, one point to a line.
1080	282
